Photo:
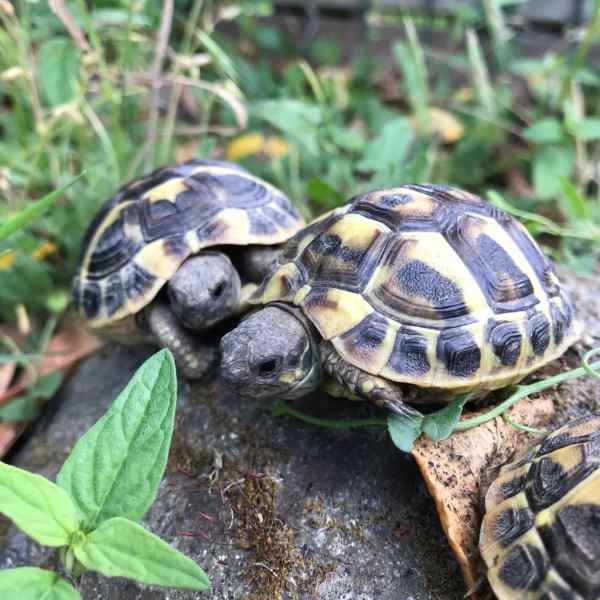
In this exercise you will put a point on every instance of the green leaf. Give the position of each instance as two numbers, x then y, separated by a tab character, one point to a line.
550	165
588	129
389	148
324	194
300	120
439	425
574	205
37	506
348	139
58	70
546	131
116	467
122	548
31	583
404	430
32	210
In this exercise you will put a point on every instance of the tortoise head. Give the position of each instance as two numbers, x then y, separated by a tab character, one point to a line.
204	291
273	352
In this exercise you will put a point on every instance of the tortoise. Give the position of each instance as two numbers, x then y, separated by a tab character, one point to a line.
540	536
416	293
204	228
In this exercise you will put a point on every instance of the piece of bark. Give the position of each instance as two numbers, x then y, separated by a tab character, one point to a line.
459	470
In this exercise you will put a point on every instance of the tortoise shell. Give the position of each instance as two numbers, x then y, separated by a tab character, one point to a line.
150	226
427	285
540	537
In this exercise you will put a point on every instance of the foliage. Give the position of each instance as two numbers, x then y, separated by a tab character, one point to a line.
105	486
404	430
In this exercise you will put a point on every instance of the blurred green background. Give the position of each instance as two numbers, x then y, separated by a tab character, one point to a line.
323	101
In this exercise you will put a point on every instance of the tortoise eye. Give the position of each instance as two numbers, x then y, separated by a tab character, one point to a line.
218	290
267	367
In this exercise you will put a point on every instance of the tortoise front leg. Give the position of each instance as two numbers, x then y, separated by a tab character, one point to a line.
357	384
193	355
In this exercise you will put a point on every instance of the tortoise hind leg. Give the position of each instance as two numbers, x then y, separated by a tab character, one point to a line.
359	385
193	356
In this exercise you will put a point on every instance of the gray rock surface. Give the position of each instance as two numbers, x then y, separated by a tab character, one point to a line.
269	506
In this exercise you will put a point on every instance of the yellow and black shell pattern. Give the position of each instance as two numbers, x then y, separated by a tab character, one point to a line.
540	537
144	232
427	285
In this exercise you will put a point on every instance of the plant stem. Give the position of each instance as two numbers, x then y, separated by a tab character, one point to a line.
281	409
526	390
522	427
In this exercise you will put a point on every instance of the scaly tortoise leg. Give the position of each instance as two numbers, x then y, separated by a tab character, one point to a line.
356	384
193	356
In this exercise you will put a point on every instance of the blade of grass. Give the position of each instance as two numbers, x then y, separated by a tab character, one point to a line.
33	210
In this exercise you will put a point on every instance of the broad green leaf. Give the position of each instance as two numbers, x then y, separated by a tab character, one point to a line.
116	467
348	139
122	548
32	211
300	120
546	131
389	148
550	165
27	406
404	430
588	129
37	506
58	70
31	583
322	193
439	425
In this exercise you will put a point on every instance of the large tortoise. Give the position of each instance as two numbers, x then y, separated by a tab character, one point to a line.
540	536
400	290
204	227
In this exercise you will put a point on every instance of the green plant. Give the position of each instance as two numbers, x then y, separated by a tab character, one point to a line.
437	426
104	488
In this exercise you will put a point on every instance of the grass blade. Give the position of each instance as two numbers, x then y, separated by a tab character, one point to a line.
33	210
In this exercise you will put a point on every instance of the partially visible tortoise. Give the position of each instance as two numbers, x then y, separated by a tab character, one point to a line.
204	228
540	536
419	287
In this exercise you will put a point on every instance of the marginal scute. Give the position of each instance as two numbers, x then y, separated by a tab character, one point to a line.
409	355
369	342
511	524
151	225
524	568
506	339
538	330
459	352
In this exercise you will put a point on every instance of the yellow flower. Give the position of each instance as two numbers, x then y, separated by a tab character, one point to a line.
7	258
251	144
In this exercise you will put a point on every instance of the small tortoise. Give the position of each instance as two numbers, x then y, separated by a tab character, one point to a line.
180	225
420	286
540	537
